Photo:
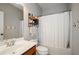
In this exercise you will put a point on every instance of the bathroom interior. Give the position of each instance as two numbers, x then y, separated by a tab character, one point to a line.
39	28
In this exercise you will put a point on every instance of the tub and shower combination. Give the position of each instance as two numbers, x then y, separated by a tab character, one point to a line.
55	33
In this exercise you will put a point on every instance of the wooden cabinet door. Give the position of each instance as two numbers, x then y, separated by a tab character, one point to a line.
31	51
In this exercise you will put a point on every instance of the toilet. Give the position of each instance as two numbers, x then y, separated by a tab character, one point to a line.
41	50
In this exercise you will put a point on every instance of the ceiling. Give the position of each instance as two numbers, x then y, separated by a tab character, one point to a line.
46	6
43	6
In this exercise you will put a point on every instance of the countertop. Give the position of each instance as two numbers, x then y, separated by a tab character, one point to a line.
18	48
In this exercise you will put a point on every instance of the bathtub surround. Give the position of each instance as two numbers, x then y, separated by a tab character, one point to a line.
12	17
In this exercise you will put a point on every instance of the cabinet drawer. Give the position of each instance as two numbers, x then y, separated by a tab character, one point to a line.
31	51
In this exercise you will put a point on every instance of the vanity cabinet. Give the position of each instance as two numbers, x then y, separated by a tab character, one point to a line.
31	51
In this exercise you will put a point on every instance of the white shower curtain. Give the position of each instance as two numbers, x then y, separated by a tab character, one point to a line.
54	30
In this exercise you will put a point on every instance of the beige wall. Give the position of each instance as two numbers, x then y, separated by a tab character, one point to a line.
75	30
33	8
29	8
12	17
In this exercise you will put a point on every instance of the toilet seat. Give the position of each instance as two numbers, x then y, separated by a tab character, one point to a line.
42	48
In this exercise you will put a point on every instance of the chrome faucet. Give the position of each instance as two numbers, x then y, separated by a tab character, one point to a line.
10	43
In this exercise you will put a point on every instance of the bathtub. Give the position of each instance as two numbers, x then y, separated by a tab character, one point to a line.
60	51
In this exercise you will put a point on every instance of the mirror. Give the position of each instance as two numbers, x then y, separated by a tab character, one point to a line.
11	21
